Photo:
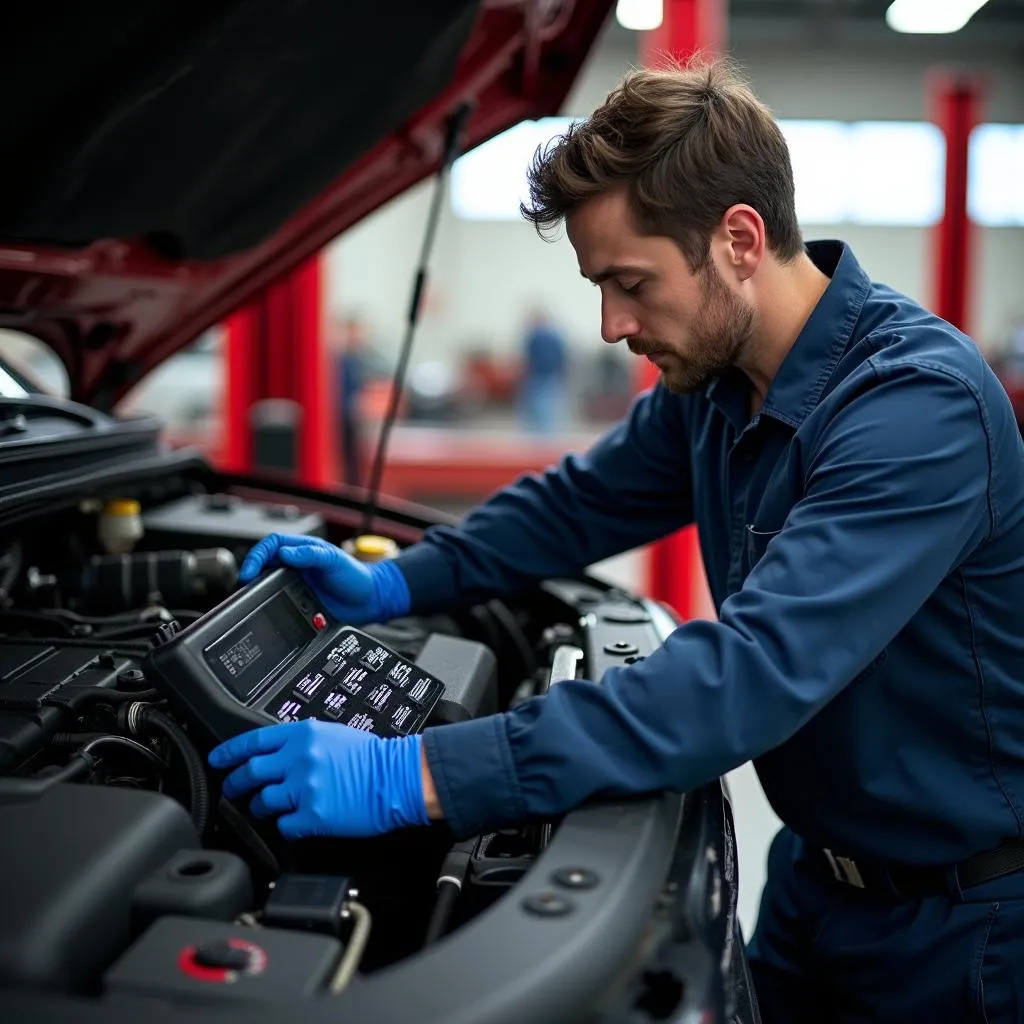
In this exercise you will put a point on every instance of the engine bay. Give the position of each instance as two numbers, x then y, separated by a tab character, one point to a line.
131	877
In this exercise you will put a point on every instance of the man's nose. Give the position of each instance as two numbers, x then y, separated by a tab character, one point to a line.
617	324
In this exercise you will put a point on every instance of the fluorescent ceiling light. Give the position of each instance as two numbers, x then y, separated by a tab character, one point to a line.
639	15
931	16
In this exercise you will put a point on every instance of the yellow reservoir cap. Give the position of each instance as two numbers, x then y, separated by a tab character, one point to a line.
122	507
372	548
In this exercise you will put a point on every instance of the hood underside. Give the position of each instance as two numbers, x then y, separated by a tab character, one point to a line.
167	160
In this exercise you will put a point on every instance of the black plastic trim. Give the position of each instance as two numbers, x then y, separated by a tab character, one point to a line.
80	483
552	967
542	968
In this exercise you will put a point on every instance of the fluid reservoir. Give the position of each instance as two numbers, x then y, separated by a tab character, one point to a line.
120	525
371	548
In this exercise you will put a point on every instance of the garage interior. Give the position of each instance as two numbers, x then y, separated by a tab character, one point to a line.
909	145
833	69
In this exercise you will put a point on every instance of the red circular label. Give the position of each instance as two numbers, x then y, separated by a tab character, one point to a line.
319	620
222	975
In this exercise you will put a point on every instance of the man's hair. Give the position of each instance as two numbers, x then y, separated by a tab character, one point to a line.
687	142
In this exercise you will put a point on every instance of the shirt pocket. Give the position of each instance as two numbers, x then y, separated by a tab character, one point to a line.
756	541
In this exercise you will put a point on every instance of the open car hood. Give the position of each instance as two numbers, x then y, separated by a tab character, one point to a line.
168	160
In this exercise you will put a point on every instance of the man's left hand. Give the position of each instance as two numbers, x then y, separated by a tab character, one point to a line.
323	779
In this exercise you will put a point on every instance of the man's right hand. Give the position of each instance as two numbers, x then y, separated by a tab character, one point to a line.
352	591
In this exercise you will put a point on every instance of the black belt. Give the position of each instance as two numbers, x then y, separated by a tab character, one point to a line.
910	880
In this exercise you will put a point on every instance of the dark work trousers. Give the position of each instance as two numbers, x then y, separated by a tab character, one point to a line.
825	952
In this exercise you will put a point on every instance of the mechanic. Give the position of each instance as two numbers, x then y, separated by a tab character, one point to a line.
857	478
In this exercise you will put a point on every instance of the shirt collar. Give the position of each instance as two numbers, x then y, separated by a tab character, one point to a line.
805	372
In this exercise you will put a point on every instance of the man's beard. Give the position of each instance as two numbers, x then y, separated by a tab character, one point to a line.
718	334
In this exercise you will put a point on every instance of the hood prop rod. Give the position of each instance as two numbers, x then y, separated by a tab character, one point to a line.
453	138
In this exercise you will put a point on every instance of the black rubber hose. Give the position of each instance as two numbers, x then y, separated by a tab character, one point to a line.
73	697
89	741
447	896
148	719
81	764
454	869
20	789
508	622
233	819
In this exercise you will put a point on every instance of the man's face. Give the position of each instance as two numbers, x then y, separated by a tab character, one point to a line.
691	326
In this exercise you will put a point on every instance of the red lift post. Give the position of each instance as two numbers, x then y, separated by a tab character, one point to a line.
955	102
675	571
276	366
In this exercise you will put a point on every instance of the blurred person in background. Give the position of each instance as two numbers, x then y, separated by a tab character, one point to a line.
543	391
348	343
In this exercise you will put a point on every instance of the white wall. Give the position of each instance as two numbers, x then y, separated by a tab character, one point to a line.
486	275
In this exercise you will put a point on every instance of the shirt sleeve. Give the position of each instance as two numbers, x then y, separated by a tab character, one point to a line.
631	487
896	493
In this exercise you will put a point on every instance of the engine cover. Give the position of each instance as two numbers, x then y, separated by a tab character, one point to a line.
67	883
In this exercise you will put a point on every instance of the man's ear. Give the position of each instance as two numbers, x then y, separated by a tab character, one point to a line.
744	239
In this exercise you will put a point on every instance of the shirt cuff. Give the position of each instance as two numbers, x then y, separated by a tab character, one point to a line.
430	577
474	775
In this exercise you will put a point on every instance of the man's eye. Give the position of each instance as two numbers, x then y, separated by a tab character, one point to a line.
631	289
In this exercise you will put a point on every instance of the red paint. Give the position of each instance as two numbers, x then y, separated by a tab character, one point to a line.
241	353
311	375
956	105
275	350
675	572
319	621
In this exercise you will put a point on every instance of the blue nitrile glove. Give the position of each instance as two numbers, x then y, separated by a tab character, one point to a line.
326	779
352	591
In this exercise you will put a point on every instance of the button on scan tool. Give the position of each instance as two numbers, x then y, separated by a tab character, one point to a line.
362	721
378	697
399	674
353	680
419	692
404	718
308	686
348	648
335	704
289	711
375	658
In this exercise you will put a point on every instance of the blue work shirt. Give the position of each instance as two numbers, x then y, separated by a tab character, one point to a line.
863	537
